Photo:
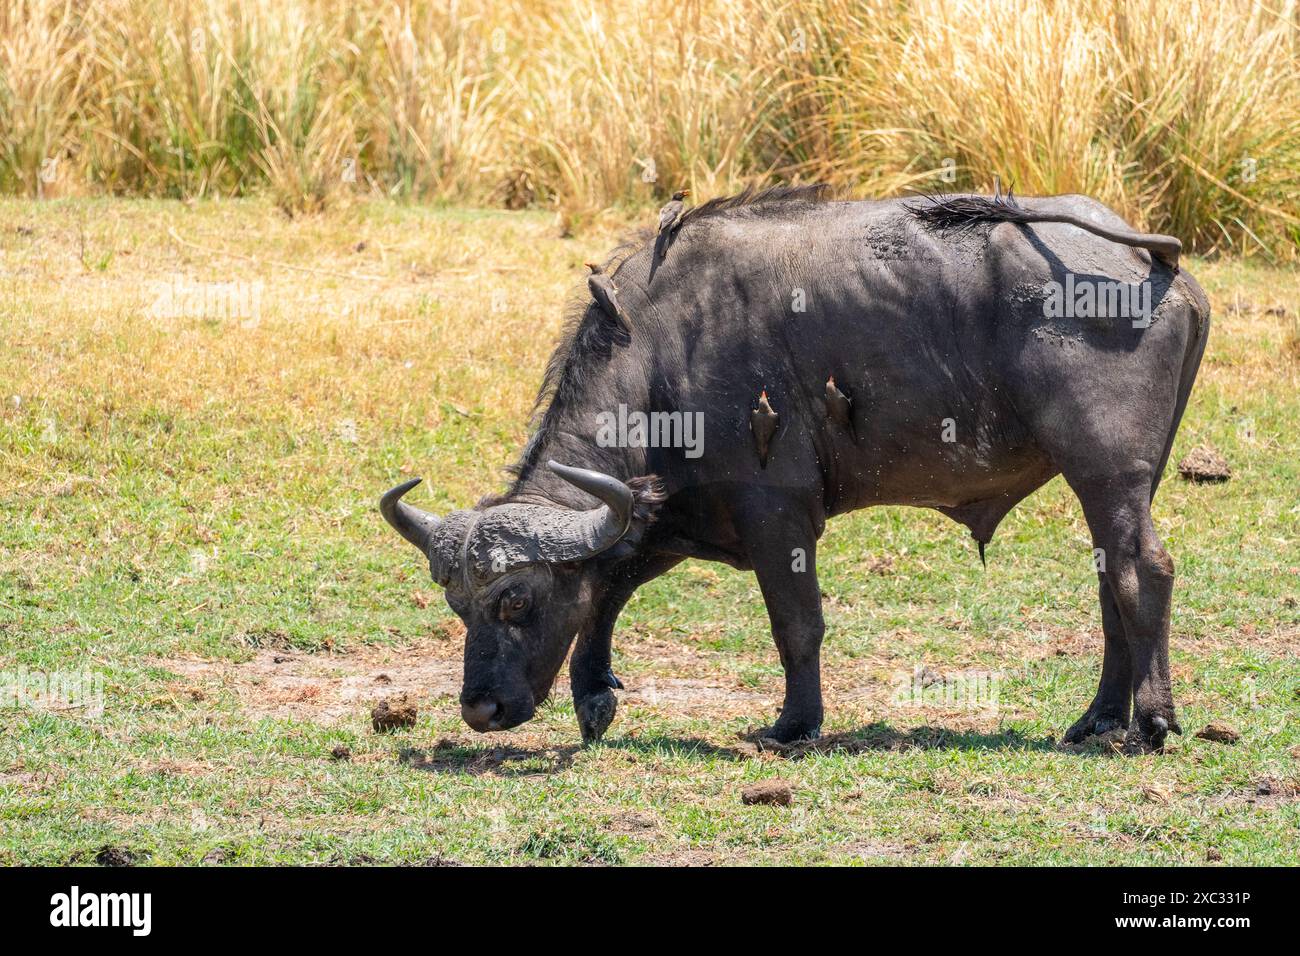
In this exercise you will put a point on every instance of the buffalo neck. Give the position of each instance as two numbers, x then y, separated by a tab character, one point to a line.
592	385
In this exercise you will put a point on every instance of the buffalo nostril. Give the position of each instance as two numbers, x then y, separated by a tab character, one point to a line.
480	713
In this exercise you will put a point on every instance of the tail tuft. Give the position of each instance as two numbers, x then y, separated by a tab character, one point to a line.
949	211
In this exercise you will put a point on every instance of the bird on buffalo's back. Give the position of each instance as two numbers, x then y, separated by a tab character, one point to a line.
670	217
605	293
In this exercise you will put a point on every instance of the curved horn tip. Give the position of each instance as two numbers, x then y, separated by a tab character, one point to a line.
613	492
393	494
414	525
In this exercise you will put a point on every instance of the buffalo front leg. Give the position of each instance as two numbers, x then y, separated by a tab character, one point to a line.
1109	710
591	674
782	549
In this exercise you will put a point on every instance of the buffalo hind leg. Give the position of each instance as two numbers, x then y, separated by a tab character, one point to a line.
591	676
782	549
1109	710
1140	576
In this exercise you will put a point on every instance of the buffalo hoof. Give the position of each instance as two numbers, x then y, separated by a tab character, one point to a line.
595	714
1093	724
792	731
1147	735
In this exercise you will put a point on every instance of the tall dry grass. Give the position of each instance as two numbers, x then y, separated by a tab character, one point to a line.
1186	116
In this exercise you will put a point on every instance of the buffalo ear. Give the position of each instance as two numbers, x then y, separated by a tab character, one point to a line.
647	497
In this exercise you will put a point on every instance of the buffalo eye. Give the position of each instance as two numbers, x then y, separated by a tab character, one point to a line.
514	604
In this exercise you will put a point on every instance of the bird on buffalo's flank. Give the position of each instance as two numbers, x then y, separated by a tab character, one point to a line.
839	408
605	293
762	422
670	218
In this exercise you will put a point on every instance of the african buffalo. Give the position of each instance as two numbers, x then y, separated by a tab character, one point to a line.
977	347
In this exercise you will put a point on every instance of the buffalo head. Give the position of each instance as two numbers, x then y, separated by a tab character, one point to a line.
518	574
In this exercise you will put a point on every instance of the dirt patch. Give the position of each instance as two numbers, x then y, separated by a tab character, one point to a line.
632	823
1272	791
685	857
1265	793
673	653
1015	650
1281	642
686	679
325	688
687	694
17	775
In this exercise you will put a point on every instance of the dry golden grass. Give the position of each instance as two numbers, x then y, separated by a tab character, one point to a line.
1186	117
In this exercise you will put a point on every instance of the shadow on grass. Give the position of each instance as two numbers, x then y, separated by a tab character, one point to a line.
451	757
880	736
448	756
665	745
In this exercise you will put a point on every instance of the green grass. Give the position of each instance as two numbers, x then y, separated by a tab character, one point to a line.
185	499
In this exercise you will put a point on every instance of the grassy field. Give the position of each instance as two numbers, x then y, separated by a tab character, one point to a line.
187	508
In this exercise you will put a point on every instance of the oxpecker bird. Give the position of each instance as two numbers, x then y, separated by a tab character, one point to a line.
839	408
670	218
763	421
605	293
